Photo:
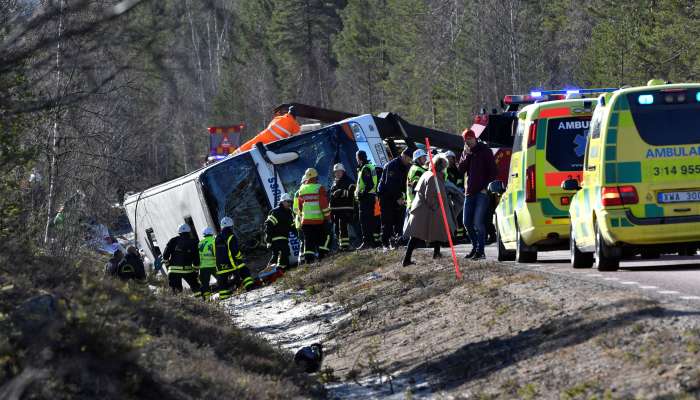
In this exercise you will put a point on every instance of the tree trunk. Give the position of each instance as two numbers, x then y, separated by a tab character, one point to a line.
54	131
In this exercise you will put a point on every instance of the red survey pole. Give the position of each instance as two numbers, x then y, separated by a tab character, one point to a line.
442	208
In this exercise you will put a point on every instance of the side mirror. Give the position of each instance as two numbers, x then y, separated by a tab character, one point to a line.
570	184
496	187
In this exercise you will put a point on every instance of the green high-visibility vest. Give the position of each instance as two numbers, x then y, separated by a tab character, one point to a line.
207	255
311	210
414	175
360	187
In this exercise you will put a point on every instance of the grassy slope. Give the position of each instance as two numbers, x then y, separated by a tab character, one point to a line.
100	338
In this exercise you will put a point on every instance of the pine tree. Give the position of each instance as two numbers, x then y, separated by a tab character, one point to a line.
361	53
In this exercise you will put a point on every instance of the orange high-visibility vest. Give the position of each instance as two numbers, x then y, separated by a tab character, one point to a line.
279	128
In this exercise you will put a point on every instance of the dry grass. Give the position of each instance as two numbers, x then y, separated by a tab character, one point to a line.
106	339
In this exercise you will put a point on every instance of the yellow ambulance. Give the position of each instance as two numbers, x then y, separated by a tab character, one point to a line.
641	177
550	141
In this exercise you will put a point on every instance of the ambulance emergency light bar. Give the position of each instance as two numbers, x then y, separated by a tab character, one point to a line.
549	95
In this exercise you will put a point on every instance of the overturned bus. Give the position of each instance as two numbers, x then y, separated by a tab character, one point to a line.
248	185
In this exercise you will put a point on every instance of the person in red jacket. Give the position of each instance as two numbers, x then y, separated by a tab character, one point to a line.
478	163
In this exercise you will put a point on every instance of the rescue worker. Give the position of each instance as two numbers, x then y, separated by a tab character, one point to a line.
231	270
207	261
457	179
392	192
182	256
315	214
420	157
281	127
365	193
131	266
342	205
278	225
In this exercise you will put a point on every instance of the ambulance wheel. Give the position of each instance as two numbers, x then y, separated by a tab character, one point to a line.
579	259
503	254
607	258
522	255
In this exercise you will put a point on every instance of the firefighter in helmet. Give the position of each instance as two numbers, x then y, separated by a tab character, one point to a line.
207	260
182	256
231	270
314	212
278	225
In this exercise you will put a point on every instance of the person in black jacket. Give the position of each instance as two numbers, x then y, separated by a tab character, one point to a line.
131	266
342	205
366	195
278	225
231	270
182	256
391	190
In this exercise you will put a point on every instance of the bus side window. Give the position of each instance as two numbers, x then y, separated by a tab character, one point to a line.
152	243
193	230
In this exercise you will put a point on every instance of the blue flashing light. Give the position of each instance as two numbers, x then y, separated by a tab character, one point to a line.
646	99
541	93
697	97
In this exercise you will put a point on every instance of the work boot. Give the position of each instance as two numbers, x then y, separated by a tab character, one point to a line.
436	255
471	253
479	255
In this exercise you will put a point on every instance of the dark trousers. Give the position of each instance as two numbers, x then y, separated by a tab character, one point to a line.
225	283
280	253
392	219
244	278
475	210
175	281
341	221
204	277
314	235
367	219
414	243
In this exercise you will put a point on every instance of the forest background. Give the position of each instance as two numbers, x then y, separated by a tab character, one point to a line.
101	97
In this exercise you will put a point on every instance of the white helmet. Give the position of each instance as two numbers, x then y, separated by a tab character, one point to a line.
418	154
226	222
183	228
208	231
450	153
338	167
285	197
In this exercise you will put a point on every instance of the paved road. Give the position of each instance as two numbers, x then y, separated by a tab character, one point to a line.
669	277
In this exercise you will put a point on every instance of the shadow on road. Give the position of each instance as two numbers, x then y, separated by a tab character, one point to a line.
481	359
